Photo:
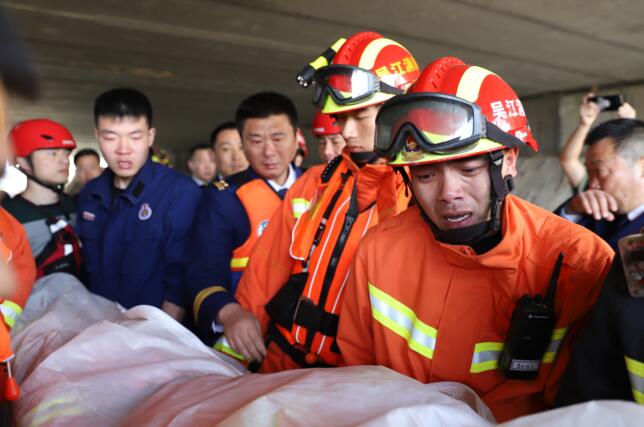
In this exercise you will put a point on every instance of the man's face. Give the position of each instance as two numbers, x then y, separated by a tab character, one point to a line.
270	146
359	128
229	155
50	165
87	168
202	164
125	144
456	194
330	146
610	172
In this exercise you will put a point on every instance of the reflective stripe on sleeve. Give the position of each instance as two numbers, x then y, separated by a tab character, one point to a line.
551	352
486	357
636	373
299	206
201	296
223	346
10	312
401	320
238	262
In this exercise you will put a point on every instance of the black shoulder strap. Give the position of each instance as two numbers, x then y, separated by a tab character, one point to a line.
327	173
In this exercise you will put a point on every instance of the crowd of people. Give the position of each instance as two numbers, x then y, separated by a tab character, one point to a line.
405	248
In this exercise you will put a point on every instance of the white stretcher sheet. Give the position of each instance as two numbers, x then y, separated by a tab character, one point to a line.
81	360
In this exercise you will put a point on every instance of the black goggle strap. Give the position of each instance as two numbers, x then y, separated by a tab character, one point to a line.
386	88
495	133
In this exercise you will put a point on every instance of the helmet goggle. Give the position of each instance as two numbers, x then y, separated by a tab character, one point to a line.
347	85
437	123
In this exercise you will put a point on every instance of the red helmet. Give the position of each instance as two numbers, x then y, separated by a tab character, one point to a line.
324	124
484	99
367	70
37	134
301	142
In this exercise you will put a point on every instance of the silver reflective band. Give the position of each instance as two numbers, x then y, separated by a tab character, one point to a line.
403	321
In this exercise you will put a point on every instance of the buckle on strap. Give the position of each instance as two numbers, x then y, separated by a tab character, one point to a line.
302	300
315	318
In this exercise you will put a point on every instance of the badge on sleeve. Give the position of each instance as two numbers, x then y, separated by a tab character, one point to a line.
145	212
631	249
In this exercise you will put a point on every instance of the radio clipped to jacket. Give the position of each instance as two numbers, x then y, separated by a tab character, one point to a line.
531	328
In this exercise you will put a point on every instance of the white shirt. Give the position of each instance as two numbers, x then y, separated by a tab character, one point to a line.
287	184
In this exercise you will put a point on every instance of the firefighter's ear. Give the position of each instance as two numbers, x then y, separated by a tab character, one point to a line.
510	156
152	133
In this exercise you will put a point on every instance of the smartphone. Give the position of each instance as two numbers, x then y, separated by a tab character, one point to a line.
608	102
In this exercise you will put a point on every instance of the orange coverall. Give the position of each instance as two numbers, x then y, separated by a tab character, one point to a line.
273	258
440	312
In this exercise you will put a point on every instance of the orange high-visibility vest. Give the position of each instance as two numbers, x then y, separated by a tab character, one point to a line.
310	242
440	312
260	202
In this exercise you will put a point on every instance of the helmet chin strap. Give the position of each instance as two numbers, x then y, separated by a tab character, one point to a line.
56	188
364	157
473	234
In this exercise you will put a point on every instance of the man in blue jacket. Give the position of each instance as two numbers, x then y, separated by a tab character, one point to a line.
233	214
134	219
613	205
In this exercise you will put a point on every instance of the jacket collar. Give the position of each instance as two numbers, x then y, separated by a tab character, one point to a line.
134	190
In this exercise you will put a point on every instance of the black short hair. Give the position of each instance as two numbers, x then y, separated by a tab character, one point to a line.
86	152
264	104
617	129
123	102
222	127
198	147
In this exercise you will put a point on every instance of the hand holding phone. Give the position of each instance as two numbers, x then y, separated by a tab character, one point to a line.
608	102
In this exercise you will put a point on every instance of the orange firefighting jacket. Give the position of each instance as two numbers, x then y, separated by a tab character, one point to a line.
305	241
439	312
16	252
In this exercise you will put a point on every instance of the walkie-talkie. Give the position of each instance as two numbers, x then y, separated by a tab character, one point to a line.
531	328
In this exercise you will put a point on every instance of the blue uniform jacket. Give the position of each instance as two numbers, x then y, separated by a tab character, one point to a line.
133	247
611	232
221	226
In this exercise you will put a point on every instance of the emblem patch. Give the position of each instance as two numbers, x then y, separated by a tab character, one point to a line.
262	226
145	212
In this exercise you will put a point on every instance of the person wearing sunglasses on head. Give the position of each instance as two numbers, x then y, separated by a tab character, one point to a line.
471	284
293	284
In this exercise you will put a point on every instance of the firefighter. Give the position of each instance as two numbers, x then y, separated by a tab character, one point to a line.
294	282
329	135
471	284
42	149
17	76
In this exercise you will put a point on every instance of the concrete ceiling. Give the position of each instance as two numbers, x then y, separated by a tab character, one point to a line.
197	59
